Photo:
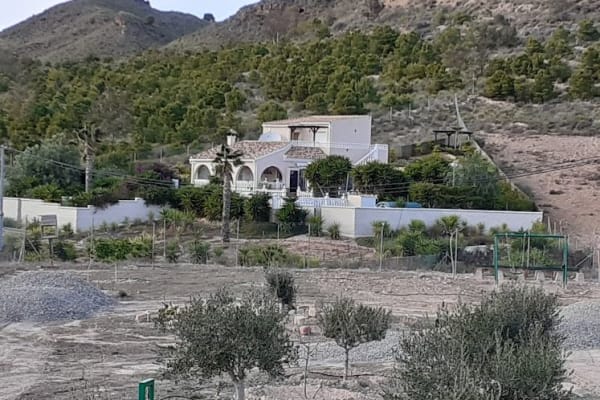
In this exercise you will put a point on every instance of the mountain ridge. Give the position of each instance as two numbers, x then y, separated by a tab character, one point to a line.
77	29
278	19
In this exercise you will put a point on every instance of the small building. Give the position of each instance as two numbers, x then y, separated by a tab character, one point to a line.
276	162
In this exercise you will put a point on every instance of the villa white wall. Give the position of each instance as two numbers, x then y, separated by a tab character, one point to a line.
274	160
80	218
350	137
345	217
357	222
355	130
282	131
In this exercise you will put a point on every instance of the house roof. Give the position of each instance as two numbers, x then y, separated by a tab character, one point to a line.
313	119
251	149
305	153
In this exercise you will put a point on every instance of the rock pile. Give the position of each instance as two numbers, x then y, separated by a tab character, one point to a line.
49	296
581	325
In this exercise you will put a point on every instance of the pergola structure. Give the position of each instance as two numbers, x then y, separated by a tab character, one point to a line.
451	132
313	128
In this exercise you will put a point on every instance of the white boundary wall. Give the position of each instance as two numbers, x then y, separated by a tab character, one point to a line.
80	218
357	222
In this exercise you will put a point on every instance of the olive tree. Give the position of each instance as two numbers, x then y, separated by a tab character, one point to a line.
505	348
222	335
351	324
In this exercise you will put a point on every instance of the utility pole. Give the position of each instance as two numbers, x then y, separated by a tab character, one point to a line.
237	244
2	174
164	238
381	247
153	240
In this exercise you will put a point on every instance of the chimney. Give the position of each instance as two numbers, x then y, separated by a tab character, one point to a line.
231	139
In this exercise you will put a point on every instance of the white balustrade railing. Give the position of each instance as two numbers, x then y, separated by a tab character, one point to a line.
201	182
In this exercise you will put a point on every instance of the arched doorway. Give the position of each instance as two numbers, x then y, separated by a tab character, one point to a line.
271	178
203	173
245	174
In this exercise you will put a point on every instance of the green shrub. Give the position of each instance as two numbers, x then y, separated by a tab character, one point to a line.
415	243
380	227
199	251
82	199
49	192
218	251
270	256
173	252
257	208
64	251
315	223
290	216
67	231
112	250
334	231
141	247
505	348
281	284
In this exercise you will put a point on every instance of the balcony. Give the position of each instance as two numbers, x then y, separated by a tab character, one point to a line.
330	145
201	182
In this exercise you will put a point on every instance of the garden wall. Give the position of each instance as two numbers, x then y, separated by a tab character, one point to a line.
80	218
357	222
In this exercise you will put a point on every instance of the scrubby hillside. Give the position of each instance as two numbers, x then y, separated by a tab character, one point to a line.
102	28
270	20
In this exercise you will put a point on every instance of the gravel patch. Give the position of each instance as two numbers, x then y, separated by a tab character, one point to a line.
330	352
49	296
581	325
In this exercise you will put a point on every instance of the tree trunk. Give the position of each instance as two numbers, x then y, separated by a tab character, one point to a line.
226	207
347	364
240	390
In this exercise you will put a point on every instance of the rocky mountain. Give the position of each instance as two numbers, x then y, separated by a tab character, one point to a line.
103	28
273	19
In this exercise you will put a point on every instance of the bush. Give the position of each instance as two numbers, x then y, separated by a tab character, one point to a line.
505	348
281	284
380	227
267	256
290	215
112	250
141	247
334	231
173	252
257	208
315	223
199	252
50	193
64	251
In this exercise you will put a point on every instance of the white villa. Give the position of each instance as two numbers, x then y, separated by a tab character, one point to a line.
275	163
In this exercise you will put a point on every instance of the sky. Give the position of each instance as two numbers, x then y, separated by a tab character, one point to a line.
13	12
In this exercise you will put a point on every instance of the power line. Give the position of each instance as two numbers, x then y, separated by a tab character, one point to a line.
538	170
535	169
130	178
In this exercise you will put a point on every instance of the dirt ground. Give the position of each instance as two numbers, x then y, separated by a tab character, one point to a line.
569	196
106	356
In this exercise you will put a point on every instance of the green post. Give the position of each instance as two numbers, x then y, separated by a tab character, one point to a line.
146	390
496	258
566	261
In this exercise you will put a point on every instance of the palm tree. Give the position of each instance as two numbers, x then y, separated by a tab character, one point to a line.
226	159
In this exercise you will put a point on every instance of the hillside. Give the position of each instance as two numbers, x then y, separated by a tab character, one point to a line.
269	20
103	28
